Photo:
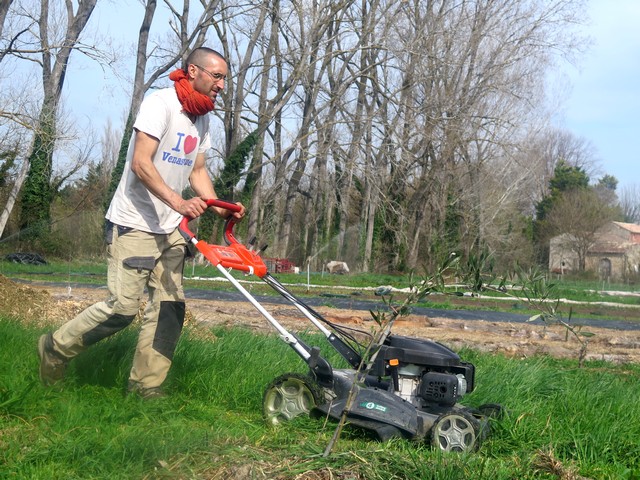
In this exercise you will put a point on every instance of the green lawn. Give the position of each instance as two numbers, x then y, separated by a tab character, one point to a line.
561	420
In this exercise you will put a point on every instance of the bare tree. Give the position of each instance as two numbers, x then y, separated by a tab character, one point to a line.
415	120
13	172
286	76
629	202
486	79
252	77
550	146
408	122
58	34
579	214
109	144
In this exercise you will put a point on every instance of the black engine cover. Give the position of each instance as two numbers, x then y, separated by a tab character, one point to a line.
440	388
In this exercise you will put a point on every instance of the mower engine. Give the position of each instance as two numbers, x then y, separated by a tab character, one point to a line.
423	389
423	372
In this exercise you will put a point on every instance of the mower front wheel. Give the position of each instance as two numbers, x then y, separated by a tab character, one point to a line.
289	396
457	431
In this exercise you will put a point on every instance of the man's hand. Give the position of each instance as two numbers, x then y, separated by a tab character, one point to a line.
192	208
196	206
224	213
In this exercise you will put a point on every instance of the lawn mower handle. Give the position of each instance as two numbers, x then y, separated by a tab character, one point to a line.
228	226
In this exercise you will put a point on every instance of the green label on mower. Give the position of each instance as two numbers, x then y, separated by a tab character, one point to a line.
373	406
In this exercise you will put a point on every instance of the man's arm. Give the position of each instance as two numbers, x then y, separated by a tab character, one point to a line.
144	149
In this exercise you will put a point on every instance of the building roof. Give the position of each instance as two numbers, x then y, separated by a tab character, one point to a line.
607	241
631	227
608	247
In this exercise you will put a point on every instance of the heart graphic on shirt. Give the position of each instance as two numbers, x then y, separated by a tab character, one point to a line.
190	144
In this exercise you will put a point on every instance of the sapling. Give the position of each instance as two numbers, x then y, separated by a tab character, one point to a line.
384	320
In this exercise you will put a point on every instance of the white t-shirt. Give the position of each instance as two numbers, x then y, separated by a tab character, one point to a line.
181	140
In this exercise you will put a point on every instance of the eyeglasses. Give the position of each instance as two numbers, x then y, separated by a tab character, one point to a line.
216	77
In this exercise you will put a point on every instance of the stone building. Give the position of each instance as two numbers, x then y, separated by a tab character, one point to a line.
614	255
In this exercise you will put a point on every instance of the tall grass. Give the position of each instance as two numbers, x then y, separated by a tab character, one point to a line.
559	418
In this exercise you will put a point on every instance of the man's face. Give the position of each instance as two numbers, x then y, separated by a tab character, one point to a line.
209	77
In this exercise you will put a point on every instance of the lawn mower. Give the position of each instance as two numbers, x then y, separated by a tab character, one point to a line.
410	388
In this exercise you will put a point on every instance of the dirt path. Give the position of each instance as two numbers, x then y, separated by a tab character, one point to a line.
55	305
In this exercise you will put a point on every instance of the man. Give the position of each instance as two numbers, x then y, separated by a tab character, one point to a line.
144	247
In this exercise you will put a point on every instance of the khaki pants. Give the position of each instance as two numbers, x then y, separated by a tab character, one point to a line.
136	260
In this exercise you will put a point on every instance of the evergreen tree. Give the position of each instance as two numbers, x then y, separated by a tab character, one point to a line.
119	166
37	193
565	178
227	180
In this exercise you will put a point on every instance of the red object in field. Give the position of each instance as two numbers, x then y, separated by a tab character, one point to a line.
279	265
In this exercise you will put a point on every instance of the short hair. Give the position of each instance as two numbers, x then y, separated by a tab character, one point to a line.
198	55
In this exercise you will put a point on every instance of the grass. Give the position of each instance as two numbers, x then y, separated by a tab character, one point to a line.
561	420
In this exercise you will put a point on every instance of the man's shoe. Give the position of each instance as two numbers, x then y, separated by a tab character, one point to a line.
52	364
145	393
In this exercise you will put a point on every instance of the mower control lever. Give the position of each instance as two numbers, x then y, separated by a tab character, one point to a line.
234	256
213	202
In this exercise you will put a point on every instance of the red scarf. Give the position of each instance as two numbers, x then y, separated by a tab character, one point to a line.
192	102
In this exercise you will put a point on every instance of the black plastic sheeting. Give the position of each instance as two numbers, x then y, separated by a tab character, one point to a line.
26	258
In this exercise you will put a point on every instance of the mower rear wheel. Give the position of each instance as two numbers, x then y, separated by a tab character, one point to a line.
289	396
457	431
485	414
491	410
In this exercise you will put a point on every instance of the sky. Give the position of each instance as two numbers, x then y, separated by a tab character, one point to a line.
602	106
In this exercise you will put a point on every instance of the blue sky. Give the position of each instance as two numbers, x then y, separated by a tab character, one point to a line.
604	105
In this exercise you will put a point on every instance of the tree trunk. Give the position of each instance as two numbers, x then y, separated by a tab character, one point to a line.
4	9
37	194
13	195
